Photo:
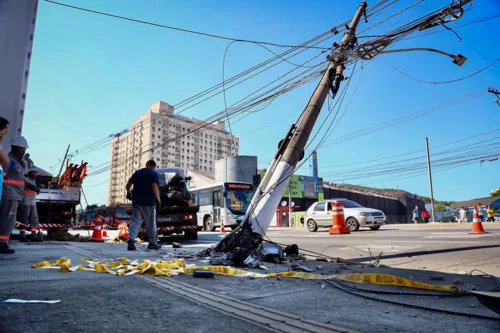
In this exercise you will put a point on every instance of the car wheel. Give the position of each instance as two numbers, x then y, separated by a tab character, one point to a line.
375	228
312	226
352	223
209	224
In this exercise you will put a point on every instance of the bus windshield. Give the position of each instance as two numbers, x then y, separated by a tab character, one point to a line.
121	213
238	200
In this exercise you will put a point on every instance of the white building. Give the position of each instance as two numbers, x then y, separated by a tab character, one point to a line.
169	139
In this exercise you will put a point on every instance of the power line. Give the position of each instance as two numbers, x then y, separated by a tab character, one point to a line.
444	82
176	28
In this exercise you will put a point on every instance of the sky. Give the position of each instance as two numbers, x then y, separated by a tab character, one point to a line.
92	76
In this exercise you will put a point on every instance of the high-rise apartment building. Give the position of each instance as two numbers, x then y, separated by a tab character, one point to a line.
169	139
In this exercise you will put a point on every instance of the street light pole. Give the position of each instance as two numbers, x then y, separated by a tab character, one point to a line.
430	177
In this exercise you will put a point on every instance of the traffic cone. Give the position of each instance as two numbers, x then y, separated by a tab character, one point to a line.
123	231
104	231
222	225
477	226
338	223
97	234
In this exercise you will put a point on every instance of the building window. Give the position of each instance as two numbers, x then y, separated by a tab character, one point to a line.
153	135
182	156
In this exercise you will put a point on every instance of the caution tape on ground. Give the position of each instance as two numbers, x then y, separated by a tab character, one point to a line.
123	266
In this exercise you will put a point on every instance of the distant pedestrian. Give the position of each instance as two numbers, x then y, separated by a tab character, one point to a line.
145	195
415	215
491	214
426	216
480	212
463	215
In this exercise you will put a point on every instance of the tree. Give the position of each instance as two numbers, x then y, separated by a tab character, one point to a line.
439	208
495	193
94	206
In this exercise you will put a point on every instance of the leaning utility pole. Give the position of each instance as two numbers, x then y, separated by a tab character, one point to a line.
430	176
496	93
291	150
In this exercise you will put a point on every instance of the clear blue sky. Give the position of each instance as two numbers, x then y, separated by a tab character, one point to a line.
92	76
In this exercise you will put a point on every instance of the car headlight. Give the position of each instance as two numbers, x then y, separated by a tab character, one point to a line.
364	214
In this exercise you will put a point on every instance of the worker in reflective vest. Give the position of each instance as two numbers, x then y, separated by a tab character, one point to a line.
28	214
13	191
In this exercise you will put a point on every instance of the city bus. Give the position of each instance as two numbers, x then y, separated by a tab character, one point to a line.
219	202
114	215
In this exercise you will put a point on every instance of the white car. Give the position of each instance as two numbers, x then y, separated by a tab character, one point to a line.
319	215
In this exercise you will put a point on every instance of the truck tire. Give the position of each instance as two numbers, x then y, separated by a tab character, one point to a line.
209	224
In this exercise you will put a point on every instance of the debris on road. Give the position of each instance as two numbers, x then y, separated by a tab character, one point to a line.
203	274
14	300
176	245
270	252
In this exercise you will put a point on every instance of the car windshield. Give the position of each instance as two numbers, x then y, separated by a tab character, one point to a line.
350	204
238	199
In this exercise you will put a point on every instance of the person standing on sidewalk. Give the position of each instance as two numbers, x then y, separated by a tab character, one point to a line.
480	212
415	215
463	215
13	191
28	214
491	214
145	194
426	216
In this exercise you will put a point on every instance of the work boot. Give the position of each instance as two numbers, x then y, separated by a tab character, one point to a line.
6	249
131	245
152	246
39	237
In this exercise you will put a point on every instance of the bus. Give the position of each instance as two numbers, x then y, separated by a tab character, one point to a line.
219	202
114	215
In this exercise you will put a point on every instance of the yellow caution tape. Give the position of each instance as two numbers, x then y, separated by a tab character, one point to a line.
124	267
391	280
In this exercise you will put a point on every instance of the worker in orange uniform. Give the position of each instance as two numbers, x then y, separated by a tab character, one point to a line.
13	191
28	214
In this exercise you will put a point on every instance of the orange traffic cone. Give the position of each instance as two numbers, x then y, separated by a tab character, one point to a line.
97	234
123	231
338	223
104	231
477	226
222	225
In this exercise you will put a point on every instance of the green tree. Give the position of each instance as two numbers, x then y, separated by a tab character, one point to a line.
439	208
495	193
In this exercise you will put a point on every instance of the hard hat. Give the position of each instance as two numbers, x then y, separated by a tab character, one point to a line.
33	169
19	141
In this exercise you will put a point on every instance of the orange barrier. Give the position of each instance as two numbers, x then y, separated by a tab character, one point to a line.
338	223
477	226
104	231
97	234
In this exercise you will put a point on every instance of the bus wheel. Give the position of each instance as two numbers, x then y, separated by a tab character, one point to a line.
209	224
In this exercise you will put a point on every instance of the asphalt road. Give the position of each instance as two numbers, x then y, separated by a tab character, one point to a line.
446	248
96	302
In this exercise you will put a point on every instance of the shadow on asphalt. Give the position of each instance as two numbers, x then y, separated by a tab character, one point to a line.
422	253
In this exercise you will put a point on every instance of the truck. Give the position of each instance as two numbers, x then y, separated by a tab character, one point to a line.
58	198
177	214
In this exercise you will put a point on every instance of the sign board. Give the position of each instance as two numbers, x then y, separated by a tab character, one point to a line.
304	187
